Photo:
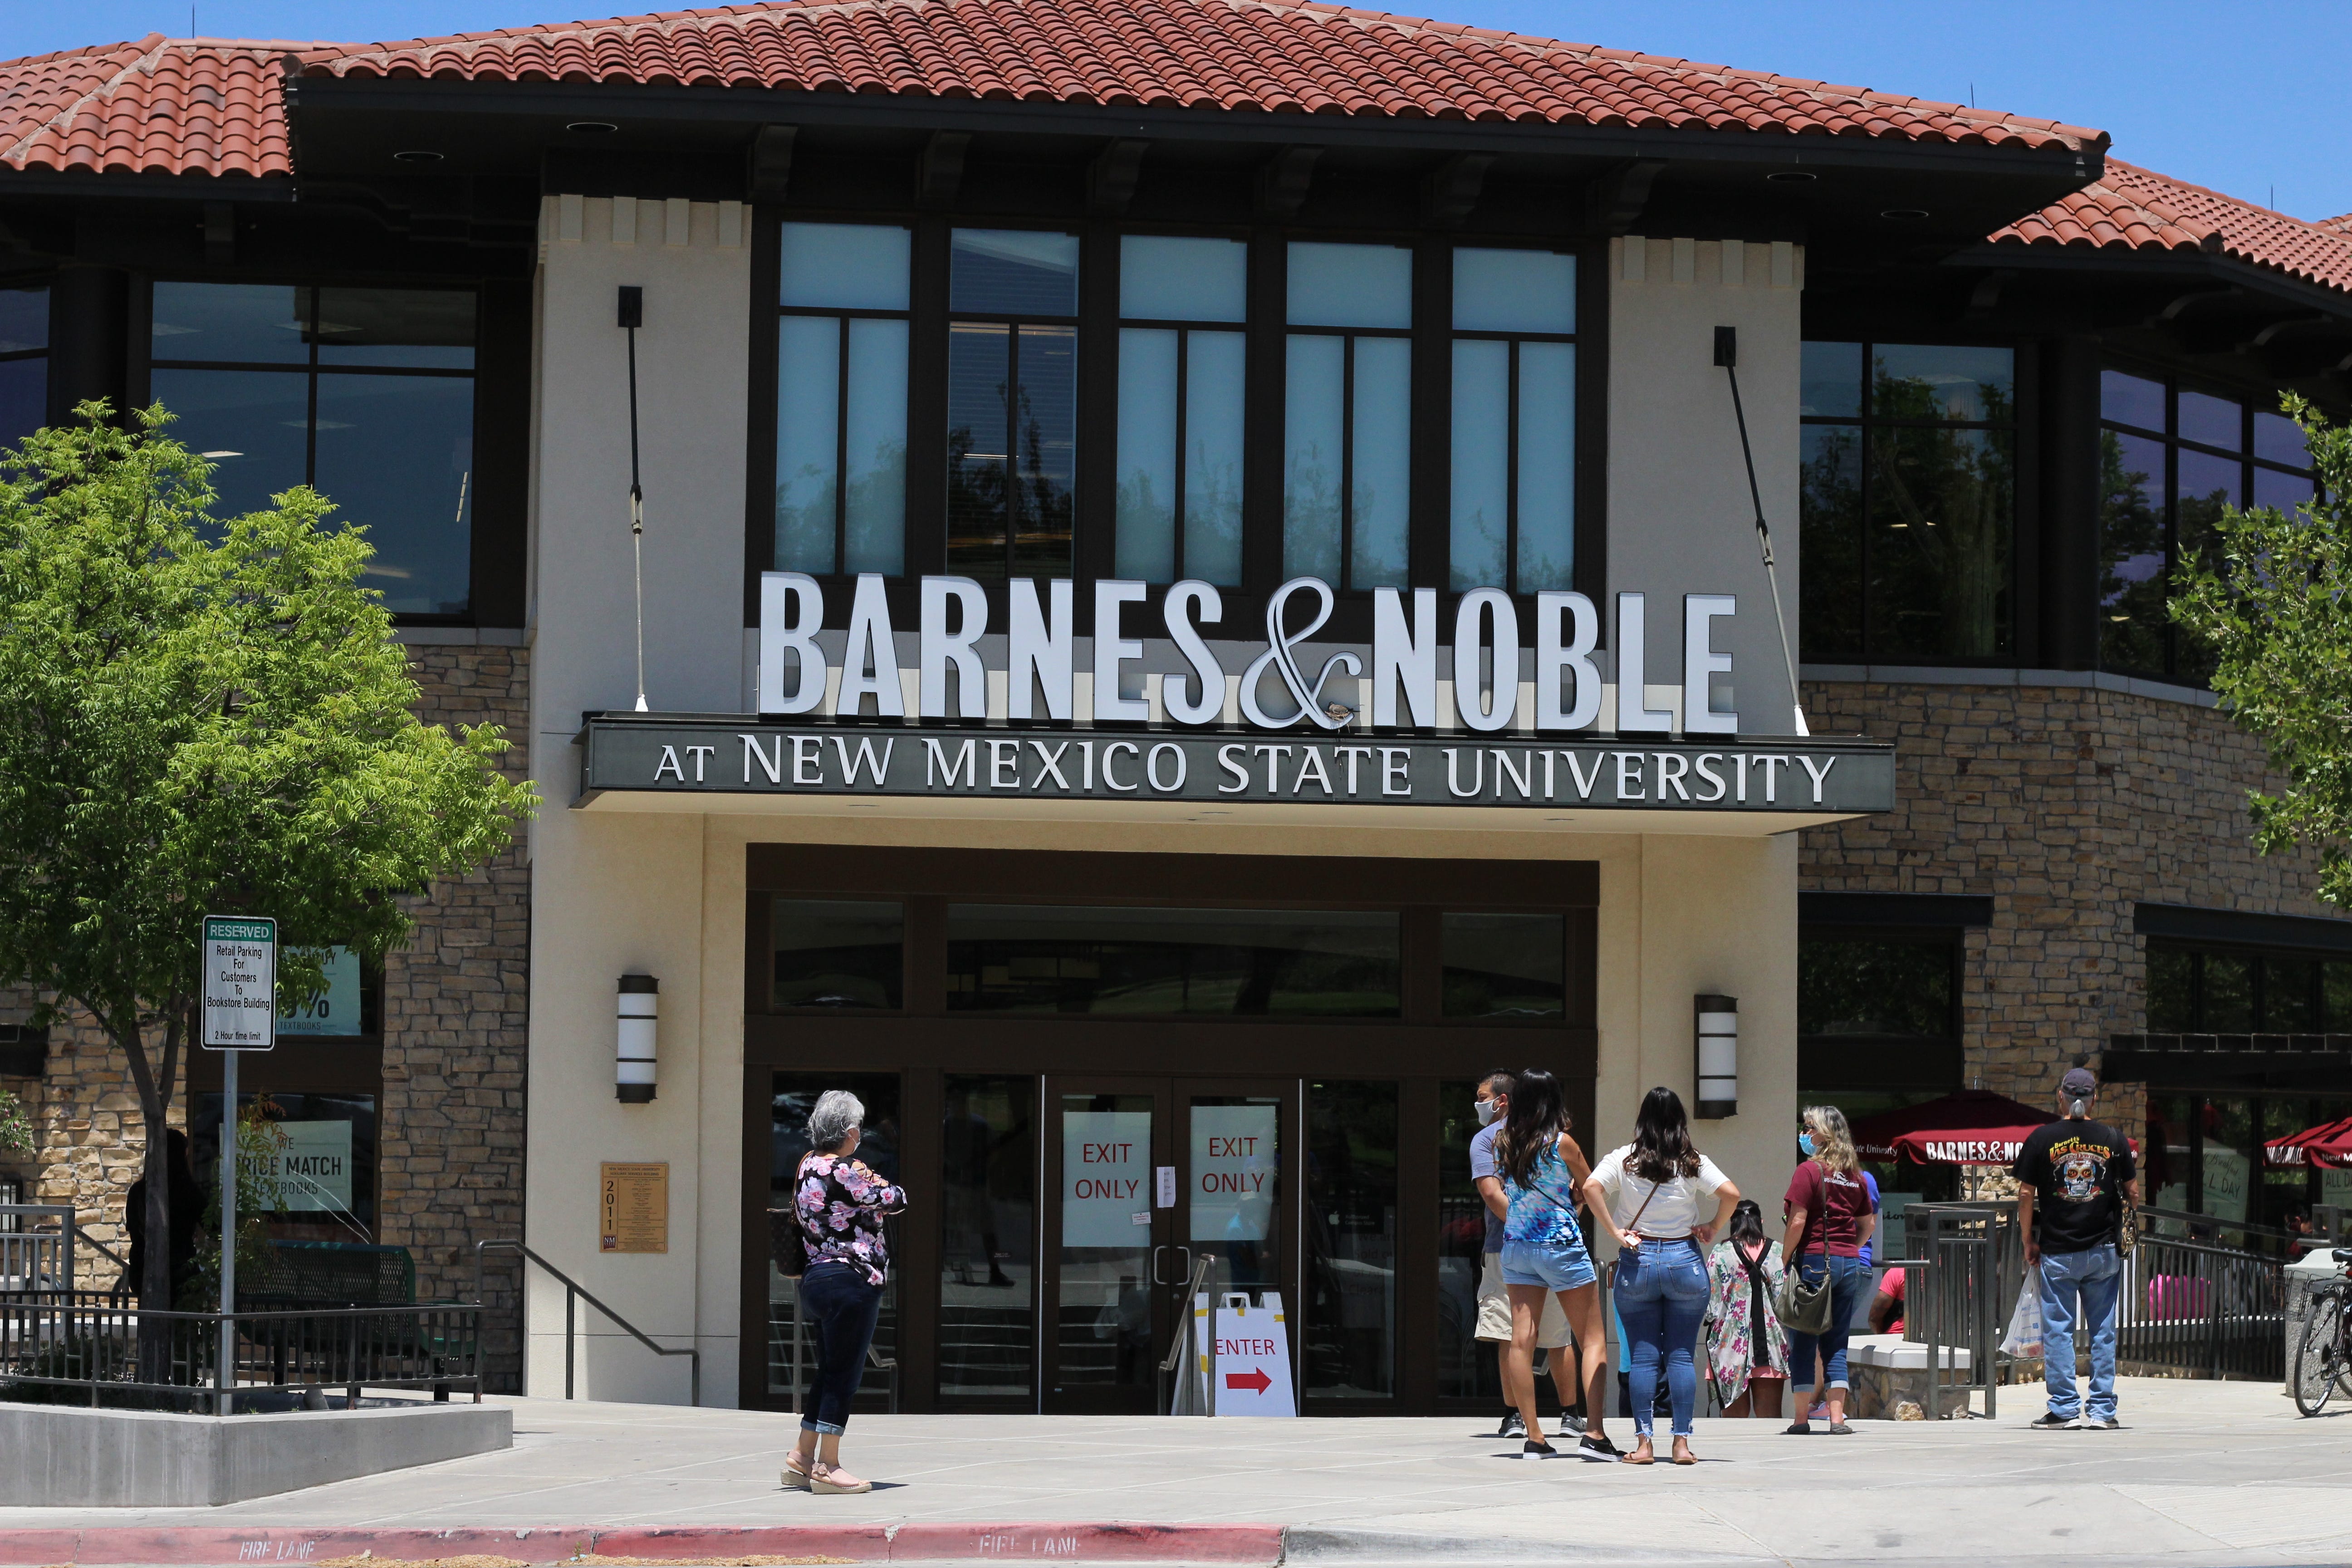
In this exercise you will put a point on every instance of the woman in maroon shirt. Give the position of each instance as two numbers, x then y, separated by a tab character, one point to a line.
1830	1214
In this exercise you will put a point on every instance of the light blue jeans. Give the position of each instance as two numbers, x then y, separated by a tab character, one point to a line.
1662	1300
2080	1289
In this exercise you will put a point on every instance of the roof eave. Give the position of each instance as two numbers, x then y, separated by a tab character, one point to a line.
2144	262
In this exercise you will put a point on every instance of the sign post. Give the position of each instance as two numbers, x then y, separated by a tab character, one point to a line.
240	1014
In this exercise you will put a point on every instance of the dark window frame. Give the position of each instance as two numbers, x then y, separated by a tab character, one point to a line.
2174	666
2260	957
1866	422
45	283
1888	1060
485	590
1575	339
1089	238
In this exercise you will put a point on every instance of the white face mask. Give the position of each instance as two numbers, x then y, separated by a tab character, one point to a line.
1487	1111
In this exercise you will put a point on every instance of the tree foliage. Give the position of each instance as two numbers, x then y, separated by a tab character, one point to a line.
2271	599
202	716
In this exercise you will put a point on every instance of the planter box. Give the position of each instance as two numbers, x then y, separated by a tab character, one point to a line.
65	1456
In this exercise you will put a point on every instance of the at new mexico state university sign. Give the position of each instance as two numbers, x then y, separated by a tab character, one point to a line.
1300	739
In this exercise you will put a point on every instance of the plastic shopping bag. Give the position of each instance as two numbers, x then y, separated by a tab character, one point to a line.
2024	1336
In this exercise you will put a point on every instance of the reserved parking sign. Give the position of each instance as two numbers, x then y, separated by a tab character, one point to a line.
240	992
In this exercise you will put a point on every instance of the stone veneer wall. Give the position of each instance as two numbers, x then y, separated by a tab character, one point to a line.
2067	805
456	1006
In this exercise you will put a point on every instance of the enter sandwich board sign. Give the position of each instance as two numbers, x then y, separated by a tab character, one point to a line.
1249	1370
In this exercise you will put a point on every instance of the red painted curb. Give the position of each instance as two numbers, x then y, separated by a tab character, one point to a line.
188	1547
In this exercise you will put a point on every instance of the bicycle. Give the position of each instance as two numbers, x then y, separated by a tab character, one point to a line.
2323	1356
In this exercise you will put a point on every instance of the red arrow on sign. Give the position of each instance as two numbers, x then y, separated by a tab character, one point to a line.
1254	1380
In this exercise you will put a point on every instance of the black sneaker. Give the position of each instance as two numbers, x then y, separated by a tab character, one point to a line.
2052	1421
1571	1424
1599	1448
1512	1426
1537	1448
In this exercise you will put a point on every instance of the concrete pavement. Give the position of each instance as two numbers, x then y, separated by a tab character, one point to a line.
2202	1474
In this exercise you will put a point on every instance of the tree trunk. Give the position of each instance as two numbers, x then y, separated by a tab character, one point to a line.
155	1087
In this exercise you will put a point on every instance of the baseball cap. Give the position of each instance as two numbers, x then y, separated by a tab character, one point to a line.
2078	1084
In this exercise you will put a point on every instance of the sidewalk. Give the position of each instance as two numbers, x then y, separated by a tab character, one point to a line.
2203	1473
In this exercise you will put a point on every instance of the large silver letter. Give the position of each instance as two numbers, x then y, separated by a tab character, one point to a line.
870	643
1635	715
780	593
1495	713
1555	658
1206	684
1402	654
1700	661
1110	648
941	649
1039	644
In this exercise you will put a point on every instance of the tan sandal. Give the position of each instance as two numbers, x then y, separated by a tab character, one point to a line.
795	1477
832	1480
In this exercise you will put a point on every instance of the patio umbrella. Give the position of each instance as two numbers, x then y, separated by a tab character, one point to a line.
1974	1126
2328	1146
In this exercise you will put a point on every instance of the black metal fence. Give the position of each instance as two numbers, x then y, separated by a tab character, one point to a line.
2202	1310
95	1349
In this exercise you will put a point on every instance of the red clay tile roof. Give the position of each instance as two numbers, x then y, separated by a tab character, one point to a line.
175	106
2131	208
1275	56
212	106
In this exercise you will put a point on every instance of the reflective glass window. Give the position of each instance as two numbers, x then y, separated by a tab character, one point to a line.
1014	272
1850	983
988	1226
2127	399
324	1172
366	395
24	317
2133	508
1349	1337
1514	291
2279	439
1350	284
24	362
1505	965
1467	1365
1907	510
1166	278
2211	421
843	266
841	399
2172	991
1112	961
2284	492
834	953
792	1345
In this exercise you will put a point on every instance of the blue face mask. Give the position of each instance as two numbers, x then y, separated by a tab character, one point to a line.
1805	1142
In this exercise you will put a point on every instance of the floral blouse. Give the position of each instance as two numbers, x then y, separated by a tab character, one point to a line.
1734	1352
841	1204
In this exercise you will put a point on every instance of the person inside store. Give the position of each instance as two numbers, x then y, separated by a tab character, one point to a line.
1830	1217
1543	1174
1552	1338
1652	1196
840	1204
1746	1344
184	1211
2074	1177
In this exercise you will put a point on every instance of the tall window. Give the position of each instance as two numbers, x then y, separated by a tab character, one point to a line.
1180	407
2170	459
841	399
1347	418
365	393
2239	991
1514	504
1012	402
1907	494
24	361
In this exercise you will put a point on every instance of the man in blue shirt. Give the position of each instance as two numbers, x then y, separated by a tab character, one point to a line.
1552	1335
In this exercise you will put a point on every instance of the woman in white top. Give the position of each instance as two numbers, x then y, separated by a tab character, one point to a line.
1651	1194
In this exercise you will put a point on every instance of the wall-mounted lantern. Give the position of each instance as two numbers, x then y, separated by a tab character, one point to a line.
640	1017
1718	1055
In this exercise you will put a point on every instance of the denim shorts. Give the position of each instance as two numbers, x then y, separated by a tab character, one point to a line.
1554	1264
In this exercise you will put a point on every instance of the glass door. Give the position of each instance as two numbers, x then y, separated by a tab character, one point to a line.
1119	1259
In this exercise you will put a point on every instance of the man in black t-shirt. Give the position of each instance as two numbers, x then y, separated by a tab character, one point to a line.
2074	1178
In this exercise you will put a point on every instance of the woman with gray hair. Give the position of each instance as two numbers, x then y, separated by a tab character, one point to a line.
840	1204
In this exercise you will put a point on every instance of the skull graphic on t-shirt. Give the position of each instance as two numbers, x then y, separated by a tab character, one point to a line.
2078	1175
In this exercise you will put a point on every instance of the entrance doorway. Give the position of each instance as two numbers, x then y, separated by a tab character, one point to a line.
1147	1178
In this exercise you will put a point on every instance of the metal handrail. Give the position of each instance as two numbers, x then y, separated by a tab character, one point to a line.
572	1288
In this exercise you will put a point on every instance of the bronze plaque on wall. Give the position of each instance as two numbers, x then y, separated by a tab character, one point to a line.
633	1207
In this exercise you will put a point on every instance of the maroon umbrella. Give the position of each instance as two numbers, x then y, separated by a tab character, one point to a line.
2328	1146
1974	1126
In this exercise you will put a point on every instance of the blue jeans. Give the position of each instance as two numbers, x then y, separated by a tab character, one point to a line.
1662	1300
841	1308
1847	1275
2079	1288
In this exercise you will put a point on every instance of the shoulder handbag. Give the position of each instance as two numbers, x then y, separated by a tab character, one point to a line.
786	1245
1802	1308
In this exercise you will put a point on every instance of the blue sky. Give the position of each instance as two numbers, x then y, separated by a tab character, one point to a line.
2245	97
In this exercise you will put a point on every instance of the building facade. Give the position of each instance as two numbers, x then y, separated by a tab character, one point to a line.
1185	611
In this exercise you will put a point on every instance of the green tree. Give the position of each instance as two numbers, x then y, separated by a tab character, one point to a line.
2270	599
16	1127
203	717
